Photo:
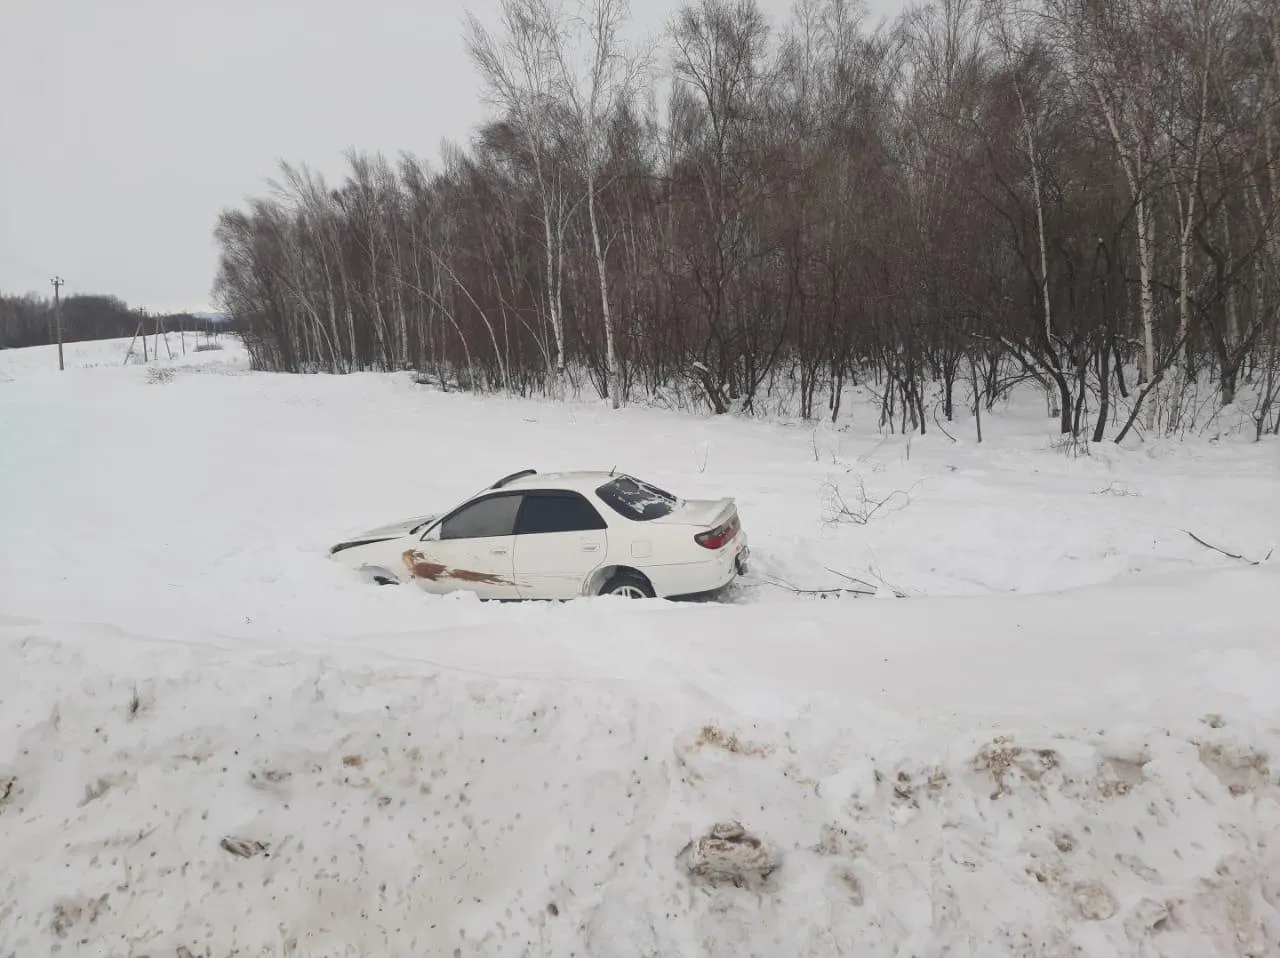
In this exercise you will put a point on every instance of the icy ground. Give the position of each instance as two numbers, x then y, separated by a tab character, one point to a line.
1064	741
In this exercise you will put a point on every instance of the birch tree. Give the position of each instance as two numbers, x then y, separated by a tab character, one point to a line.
597	75
1014	42
1112	51
519	75
722	80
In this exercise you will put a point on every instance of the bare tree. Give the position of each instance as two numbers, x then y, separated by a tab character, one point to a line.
598	76
519	75
990	191
1113	51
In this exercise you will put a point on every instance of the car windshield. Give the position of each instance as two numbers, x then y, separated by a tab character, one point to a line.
637	500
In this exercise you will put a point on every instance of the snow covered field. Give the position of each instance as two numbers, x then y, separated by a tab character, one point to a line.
1064	741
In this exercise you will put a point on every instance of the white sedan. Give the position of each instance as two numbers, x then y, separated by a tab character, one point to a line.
558	536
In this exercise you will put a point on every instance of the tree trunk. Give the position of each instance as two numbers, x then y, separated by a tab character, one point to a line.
553	287
1146	296
611	356
1104	391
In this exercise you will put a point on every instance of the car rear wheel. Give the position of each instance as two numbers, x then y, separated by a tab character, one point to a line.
628	585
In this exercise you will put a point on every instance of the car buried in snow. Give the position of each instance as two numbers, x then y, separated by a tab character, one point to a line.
560	536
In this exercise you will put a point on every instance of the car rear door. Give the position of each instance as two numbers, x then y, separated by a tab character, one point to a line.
560	540
471	550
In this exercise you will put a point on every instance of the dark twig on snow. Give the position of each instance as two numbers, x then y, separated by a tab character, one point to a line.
861	582
871	589
867	587
898	593
1230	555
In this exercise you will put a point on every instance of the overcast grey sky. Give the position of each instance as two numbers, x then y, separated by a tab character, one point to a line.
129	124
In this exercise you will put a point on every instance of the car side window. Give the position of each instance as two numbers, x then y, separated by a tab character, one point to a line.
494	516
557	512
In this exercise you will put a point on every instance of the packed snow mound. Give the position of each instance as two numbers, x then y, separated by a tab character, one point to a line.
273	801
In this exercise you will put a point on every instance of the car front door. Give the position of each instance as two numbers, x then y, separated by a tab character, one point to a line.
471	549
560	541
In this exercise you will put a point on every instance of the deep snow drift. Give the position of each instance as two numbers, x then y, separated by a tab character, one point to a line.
1062	743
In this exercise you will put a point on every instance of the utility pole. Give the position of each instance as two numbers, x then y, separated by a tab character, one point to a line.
58	283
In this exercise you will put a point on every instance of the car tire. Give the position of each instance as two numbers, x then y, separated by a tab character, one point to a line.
628	585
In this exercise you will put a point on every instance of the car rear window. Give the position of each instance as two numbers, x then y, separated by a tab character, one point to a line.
637	500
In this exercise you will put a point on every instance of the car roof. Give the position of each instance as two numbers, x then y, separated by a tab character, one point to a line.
576	481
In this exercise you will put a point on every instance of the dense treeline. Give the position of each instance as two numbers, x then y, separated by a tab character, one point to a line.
1080	192
29	320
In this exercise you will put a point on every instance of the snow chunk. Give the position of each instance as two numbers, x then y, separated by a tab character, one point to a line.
729	853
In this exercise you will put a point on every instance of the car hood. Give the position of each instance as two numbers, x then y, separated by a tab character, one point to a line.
393	530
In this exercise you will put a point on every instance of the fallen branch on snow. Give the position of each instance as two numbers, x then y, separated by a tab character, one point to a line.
898	593
797	590
1230	555
867	587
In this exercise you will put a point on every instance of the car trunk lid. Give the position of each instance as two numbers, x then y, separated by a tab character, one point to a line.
707	513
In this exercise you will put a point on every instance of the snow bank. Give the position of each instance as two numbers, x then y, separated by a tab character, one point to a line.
215	743
283	802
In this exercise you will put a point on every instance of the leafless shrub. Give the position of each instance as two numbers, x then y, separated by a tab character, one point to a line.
1111	489
859	506
1071	446
160	374
208	347
702	459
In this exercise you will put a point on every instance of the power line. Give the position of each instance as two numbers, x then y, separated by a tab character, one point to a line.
27	266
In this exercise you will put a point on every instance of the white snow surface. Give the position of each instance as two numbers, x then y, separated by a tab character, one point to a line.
213	741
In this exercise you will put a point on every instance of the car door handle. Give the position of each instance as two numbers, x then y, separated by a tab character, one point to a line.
590	547
497	552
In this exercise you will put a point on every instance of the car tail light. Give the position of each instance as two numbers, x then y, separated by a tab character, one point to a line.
717	537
